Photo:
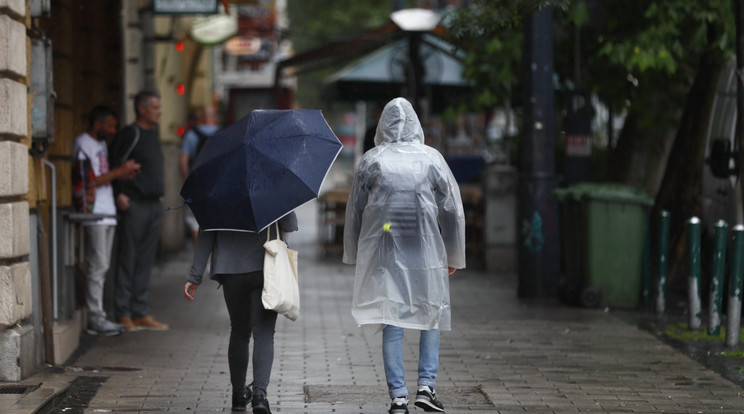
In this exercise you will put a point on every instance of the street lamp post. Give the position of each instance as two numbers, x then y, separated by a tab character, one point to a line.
415	22
538	236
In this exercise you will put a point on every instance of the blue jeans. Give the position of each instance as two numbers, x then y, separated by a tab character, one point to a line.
392	355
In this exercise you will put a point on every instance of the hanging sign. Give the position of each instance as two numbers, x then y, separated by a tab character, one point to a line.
184	6
578	145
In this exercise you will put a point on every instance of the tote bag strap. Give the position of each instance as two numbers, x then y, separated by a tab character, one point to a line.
268	232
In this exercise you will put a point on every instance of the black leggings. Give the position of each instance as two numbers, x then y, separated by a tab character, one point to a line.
247	315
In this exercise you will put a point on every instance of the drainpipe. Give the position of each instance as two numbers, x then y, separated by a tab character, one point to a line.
46	293
53	233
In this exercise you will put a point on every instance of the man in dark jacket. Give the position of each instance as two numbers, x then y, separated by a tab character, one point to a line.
140	207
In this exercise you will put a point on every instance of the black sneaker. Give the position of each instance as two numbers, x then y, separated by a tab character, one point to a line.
260	405
399	406
240	400
426	399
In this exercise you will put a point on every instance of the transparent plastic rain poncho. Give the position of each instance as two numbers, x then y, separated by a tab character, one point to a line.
404	227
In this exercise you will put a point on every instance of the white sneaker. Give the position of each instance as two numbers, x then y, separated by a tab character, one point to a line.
104	327
399	406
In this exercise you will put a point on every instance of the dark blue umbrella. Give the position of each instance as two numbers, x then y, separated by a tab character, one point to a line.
259	169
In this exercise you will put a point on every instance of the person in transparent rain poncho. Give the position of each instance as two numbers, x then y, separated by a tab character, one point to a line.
405	231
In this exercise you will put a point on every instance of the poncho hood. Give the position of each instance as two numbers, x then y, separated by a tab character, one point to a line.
399	123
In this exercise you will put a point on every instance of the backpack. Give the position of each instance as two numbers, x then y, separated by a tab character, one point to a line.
202	140
83	184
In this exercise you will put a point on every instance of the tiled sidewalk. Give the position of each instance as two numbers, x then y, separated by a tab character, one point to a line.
504	355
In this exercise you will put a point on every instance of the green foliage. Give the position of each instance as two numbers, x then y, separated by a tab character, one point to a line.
681	332
665	33
626	51
733	354
315	22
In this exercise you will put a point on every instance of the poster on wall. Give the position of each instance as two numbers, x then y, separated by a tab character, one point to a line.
255	42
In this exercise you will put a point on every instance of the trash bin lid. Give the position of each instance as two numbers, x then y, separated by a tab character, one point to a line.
562	193
613	193
573	193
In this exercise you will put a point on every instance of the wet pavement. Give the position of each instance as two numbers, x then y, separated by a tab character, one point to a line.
504	355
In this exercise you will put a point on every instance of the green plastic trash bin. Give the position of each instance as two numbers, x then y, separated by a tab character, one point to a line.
609	221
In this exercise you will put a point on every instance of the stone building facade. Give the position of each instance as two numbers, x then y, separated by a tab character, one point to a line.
16	333
102	52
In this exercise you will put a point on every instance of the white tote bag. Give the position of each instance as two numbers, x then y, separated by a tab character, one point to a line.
281	291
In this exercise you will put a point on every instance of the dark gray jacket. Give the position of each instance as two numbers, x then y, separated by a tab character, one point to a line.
149	183
233	251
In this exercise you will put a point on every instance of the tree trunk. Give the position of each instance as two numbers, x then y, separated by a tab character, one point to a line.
643	146
681	187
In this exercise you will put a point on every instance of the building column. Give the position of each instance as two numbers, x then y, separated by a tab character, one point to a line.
17	359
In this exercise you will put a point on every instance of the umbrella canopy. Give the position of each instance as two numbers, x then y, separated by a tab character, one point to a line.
259	169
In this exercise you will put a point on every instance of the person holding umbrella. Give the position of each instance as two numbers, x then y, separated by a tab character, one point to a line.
405	231
237	264
247	177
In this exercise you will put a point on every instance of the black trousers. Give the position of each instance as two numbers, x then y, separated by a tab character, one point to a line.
248	317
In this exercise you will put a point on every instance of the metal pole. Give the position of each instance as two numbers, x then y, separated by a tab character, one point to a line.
663	264
416	73
53	232
735	285
693	281
716	282
147	21
538	239
646	270
45	285
739	135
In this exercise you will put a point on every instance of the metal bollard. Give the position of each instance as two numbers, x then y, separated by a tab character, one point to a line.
665	218
735	285
646	293
693	281
716	282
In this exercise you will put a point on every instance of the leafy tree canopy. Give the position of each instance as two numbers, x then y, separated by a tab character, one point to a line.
625	47
315	22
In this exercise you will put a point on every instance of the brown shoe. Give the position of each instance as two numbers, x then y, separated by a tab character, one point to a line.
127	323
149	323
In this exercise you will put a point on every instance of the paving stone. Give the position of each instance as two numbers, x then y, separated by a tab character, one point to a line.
520	356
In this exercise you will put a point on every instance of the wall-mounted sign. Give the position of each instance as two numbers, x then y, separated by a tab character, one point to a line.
578	145
242	46
185	6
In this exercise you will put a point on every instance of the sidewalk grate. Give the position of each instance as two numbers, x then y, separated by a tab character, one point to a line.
18	389
450	396
75	400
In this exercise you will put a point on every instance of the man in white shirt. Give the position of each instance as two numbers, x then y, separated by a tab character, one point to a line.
99	233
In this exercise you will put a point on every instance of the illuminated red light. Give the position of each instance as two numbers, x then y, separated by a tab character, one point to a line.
180	131
180	89
179	46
